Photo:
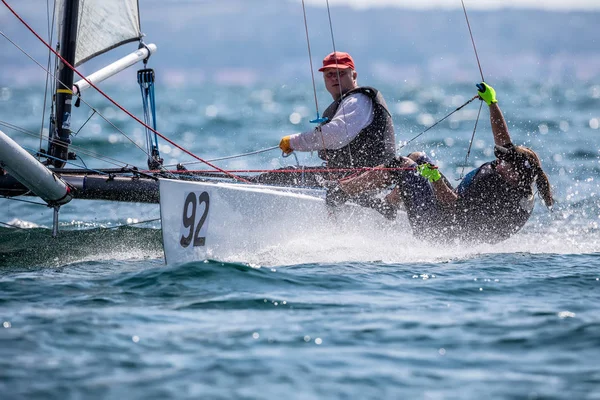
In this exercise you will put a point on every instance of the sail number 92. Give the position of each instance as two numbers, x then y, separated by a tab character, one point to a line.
192	232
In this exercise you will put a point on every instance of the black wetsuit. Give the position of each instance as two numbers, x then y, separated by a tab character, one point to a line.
489	209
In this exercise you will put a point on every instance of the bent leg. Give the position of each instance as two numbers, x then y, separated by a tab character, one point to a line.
416	194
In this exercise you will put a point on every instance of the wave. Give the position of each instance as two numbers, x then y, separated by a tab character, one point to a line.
35	247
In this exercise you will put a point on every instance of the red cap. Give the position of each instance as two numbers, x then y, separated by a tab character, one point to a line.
344	60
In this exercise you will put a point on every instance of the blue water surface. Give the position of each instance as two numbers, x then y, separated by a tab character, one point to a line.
95	313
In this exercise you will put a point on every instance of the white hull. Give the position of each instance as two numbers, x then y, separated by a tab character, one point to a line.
224	221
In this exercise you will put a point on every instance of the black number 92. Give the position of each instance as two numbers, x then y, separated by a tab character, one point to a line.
189	219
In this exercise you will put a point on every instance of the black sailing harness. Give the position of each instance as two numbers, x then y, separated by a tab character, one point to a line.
372	146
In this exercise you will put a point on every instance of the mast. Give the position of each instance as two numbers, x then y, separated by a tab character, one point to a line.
60	131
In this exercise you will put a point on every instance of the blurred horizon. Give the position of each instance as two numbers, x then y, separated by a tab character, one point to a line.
237	43
475	5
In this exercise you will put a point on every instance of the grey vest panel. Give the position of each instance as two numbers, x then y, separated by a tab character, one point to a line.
375	144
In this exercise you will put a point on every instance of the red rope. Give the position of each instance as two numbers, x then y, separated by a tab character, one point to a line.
296	171
114	102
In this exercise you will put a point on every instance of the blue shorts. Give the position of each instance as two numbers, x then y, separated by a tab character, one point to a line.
466	182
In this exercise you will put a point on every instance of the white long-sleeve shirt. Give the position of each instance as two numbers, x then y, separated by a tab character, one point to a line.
354	114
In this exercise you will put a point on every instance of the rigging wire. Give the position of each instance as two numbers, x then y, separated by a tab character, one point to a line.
228	157
24	201
338	77
79	149
482	79
84	167
66	63
85	102
440	120
49	64
276	147
333	41
318	119
312	73
120	163
85	123
462	172
472	40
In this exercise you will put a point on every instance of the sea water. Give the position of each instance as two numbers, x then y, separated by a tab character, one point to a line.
369	314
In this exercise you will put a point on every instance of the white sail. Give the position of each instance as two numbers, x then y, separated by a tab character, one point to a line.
103	25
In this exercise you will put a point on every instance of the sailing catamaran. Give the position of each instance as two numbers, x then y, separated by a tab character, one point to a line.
203	215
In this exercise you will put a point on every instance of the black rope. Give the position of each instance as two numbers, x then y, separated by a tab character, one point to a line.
85	123
405	144
312	74
472	40
462	173
482	79
24	201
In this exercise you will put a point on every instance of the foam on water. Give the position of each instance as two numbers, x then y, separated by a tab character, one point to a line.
390	243
364	237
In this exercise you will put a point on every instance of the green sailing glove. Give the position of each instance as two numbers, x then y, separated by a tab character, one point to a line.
426	171
486	93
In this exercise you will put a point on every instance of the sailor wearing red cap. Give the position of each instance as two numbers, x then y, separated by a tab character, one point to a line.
359	131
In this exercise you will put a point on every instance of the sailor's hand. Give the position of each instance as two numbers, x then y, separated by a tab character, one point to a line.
486	93
429	172
284	145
